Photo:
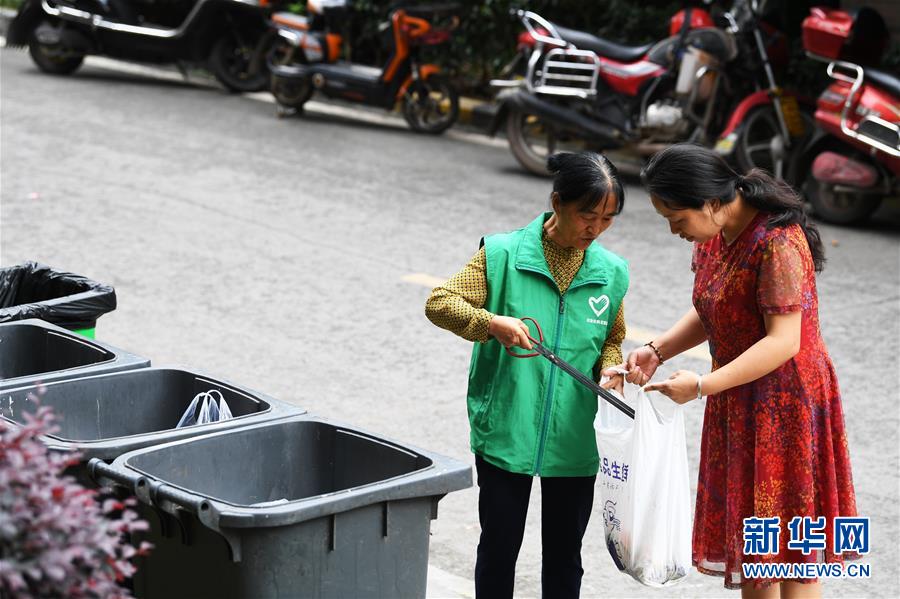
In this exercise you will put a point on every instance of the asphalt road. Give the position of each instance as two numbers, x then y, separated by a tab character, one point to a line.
294	256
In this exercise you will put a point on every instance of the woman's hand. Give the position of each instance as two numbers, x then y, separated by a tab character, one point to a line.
681	387
509	331
616	379
641	365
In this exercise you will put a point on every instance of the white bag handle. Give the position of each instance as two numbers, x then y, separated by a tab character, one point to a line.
664	416
189	418
224	410
203	417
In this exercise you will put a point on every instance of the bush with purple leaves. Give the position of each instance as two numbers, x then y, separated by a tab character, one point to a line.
57	538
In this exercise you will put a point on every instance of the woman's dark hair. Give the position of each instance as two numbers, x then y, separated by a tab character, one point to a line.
586	179
690	176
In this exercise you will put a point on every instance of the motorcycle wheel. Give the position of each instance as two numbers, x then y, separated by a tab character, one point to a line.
839	207
53	60
291	93
760	143
530	141
831	205
236	65
431	106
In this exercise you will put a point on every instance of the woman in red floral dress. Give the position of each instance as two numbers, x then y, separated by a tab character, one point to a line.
773	442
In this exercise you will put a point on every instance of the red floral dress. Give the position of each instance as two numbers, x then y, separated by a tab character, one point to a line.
775	446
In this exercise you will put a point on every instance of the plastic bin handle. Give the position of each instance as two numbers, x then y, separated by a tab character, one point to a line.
160	494
166	497
102	473
172	499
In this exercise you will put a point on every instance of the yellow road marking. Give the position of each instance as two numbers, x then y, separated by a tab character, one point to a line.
425	280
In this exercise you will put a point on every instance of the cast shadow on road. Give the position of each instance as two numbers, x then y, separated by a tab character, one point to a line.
99	75
321	118
884	223
886	220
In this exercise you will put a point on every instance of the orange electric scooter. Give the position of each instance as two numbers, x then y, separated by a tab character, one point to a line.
305	61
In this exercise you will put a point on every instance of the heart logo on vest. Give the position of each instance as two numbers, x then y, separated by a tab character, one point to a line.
599	304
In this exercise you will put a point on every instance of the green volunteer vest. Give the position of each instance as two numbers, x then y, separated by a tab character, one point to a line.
526	415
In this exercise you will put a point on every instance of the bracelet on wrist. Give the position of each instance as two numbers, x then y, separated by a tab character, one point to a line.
655	351
700	387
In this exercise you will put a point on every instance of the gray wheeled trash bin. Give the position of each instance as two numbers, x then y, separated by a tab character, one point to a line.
106	415
33	351
299	507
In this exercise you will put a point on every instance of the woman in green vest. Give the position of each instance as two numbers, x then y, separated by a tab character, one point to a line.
527	418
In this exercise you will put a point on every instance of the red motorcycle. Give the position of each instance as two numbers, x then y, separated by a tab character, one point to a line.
708	84
853	161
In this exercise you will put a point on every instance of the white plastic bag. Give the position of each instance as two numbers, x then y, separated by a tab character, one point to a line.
209	411
189	418
224	410
644	487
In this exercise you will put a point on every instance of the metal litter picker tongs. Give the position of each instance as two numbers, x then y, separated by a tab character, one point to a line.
539	349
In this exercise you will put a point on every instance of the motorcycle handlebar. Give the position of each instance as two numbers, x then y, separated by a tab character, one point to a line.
742	16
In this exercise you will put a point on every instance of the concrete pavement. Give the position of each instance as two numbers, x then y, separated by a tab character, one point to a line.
279	253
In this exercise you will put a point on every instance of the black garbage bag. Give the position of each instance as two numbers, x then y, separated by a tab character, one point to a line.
33	290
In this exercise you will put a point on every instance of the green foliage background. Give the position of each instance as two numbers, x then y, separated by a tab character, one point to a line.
486	38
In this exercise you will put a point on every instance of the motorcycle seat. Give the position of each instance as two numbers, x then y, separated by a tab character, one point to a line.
290	20
888	82
606	48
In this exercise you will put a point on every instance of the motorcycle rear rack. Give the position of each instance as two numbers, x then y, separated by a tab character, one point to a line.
567	72
870	122
556	77
552	37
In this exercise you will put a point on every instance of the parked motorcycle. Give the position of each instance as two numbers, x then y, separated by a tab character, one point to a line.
853	161
222	34
705	84
307	58
317	36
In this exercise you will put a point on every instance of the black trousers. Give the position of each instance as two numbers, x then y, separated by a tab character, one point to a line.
502	507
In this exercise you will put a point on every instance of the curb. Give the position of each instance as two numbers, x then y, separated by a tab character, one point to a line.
477	113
